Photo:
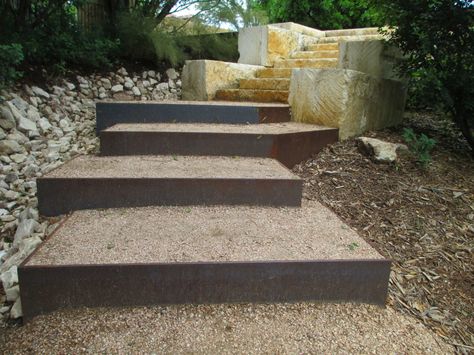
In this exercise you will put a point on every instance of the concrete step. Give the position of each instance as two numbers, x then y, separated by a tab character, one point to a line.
315	54
337	39
88	182
323	47
274	73
253	95
110	113
177	255
290	143
306	63
265	84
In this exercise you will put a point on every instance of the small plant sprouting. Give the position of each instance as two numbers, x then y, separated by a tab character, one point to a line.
420	145
353	246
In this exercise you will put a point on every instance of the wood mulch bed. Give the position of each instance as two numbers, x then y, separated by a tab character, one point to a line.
421	218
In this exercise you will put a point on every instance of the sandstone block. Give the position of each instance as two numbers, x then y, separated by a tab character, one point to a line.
349	100
202	78
263	45
372	57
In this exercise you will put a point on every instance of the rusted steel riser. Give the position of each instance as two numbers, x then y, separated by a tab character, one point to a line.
289	149
48	288
110	113
62	195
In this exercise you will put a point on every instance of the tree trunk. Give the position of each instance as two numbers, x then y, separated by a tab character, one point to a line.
165	10
461	117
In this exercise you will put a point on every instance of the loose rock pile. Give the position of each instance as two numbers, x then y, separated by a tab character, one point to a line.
39	130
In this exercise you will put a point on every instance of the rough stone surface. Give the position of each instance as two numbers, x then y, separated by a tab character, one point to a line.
202	78
9	278
370	57
7	121
263	45
16	311
349	100
382	152
40	128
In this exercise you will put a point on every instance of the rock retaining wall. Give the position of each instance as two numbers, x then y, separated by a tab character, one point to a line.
40	128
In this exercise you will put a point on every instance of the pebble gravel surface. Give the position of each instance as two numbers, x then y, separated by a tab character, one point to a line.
226	329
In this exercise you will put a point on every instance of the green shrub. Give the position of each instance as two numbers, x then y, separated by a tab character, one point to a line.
420	145
143	39
50	36
11	56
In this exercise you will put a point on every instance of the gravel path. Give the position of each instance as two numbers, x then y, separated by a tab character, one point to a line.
225	329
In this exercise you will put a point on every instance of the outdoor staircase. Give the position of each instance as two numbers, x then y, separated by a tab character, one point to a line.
193	203
272	84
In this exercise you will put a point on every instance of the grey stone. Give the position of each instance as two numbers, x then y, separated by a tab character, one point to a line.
11	195
128	84
31	170
136	91
172	74
117	88
162	86
7	121
106	83
26	125
33	114
16	311
28	245
65	125
40	92
44	125
70	86
25	229
19	103
9	146
9	277
13	293
29	213
382	152
11	177
18	158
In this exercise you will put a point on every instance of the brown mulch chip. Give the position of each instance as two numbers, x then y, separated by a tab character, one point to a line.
421	218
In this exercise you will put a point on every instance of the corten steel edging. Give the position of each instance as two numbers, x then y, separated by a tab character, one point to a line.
51	287
291	149
110	113
185	143
274	114
62	195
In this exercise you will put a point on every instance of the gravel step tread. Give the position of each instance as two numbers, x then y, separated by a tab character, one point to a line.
164	166
269	128
202	234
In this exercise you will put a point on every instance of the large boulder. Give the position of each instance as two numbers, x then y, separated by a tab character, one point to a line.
349	100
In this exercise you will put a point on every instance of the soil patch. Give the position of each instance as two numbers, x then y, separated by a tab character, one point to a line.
421	218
